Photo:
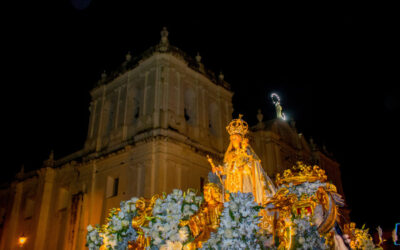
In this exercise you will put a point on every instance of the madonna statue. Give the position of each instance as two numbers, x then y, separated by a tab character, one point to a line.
242	170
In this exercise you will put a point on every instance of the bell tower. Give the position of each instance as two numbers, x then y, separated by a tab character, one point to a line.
165	104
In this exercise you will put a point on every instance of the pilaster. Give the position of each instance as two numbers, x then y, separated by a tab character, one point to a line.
9	240
46	201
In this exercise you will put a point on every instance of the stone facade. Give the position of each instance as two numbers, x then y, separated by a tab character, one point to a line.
150	127
280	146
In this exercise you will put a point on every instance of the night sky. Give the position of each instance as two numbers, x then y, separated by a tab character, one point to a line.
331	65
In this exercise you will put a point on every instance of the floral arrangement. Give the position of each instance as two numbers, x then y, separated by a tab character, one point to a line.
239	224
164	228
118	230
306	188
304	230
93	238
361	239
306	235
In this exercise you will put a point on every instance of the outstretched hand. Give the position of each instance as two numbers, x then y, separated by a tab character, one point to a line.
215	169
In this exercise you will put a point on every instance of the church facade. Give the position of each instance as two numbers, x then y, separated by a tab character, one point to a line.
151	126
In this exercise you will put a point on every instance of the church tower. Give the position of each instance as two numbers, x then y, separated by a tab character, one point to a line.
162	93
152	122
166	112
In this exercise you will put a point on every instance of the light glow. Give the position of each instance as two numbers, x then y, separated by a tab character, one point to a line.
276	100
22	240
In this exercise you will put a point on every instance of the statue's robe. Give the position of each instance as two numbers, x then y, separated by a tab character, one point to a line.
245	174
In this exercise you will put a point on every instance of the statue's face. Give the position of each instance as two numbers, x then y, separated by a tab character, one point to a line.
236	139
211	195
207	195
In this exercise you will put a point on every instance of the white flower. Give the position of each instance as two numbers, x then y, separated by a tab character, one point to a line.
168	213
89	228
125	223
93	237
233	207
238	228
198	199
188	198
228	233
171	246
177	192
183	234
186	209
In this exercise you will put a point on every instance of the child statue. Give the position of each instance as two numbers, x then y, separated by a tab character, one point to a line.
207	219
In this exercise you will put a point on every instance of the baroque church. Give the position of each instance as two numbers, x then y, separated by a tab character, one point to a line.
152	123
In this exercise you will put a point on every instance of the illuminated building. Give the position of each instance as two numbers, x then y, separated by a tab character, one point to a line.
151	125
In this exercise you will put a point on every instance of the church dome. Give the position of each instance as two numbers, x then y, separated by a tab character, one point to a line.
283	130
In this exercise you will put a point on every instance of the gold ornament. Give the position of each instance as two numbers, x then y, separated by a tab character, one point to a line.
291	206
300	174
238	126
359	238
329	206
145	210
207	219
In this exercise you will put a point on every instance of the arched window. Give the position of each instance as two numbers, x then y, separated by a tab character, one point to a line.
110	113
190	106
213	118
121	107
137	100
109	117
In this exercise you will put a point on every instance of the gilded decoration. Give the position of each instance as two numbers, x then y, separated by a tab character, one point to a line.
145	210
302	208
317	204
207	219
300	174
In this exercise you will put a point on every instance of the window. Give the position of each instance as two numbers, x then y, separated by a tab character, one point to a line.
137	97
187	117
115	186
110	117
112	186
190	106
29	208
201	184
213	119
63	198
137	110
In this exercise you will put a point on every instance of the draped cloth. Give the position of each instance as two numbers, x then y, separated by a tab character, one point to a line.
245	174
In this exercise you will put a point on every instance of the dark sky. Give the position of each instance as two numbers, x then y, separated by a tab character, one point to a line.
330	64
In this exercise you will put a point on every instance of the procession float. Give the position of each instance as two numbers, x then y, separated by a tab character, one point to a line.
240	208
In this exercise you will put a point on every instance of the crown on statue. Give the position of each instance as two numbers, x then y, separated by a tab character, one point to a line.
237	126
300	174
